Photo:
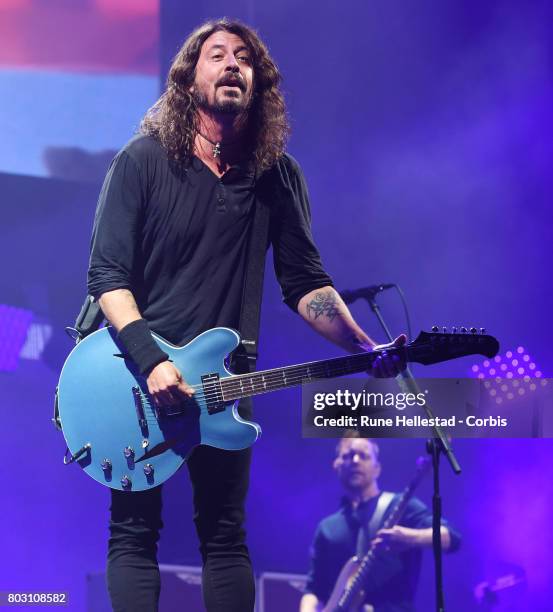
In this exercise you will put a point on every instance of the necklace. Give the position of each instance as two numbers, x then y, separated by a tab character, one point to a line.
215	146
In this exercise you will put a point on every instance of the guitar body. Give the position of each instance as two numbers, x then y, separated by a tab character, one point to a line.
342	584
103	402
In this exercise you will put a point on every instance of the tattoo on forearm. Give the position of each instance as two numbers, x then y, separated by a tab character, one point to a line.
325	303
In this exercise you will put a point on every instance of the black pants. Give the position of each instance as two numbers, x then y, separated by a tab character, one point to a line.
220	482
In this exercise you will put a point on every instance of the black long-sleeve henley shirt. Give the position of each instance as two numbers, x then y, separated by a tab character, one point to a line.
178	239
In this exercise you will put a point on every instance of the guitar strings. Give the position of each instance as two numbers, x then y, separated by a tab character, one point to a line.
233	383
269	376
274	378
218	394
278	377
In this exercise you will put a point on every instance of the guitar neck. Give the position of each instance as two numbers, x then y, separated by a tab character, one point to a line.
399	508
428	348
256	383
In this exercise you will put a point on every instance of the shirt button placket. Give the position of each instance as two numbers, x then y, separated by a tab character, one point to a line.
221	199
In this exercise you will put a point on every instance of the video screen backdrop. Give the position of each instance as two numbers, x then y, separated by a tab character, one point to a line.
75	78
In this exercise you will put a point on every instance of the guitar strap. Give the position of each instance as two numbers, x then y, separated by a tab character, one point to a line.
269	189
89	320
367	531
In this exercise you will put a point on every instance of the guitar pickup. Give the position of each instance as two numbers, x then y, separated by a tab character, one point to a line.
213	393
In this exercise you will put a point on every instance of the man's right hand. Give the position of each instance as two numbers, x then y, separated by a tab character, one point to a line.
167	386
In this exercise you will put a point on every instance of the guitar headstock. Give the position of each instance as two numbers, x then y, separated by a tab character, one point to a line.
440	344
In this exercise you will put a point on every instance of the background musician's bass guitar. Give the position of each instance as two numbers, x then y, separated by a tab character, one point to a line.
117	435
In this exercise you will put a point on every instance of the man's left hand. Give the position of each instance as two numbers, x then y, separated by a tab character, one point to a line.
388	364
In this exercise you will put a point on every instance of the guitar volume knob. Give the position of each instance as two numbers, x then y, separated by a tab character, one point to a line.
128	452
148	469
435	328
106	465
126	482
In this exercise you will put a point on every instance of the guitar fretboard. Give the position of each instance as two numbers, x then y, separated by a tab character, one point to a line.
246	385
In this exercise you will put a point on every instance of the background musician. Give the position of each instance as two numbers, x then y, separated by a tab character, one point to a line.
392	584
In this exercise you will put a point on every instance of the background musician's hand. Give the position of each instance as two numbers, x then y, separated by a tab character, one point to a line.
167	386
397	538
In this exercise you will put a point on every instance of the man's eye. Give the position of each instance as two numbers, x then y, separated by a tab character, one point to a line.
244	58
218	56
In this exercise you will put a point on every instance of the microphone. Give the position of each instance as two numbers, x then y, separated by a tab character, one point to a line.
350	295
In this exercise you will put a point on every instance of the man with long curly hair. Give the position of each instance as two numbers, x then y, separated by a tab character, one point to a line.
169	254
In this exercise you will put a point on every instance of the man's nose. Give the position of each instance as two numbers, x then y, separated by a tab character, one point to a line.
355	458
232	64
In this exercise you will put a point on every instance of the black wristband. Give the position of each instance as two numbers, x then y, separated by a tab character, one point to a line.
141	346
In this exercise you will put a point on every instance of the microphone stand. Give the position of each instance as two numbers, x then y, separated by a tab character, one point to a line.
435	446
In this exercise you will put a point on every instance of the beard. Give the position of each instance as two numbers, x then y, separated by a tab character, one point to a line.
227	106
224	104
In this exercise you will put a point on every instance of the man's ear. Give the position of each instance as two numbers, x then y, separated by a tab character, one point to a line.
378	468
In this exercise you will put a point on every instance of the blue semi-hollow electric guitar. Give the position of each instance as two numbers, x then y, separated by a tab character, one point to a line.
117	435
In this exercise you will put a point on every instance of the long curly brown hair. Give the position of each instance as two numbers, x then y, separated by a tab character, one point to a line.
173	118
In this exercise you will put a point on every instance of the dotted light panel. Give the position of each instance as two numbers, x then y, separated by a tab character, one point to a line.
38	335
14	324
510	376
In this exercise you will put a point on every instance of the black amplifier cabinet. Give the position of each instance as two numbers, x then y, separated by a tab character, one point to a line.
279	592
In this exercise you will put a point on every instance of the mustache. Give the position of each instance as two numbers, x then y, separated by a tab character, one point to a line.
232	80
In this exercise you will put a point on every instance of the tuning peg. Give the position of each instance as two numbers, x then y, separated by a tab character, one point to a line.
453	330
435	328
473	330
444	329
482	330
463	330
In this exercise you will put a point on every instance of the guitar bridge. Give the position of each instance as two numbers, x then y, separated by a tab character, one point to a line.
213	393
138	404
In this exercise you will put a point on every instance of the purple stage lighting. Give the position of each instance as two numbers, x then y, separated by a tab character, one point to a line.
14	324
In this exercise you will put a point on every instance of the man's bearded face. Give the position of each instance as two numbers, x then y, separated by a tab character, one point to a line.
224	75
